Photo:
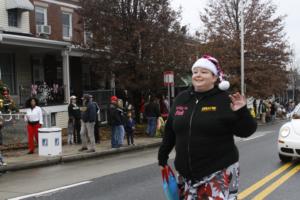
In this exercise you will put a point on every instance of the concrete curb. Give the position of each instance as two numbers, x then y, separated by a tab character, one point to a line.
76	157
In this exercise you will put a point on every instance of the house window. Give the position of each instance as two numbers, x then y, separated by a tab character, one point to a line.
88	37
13	18
67	25
53	119
7	71
41	16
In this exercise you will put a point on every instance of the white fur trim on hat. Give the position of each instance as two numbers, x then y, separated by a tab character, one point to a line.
206	64
224	85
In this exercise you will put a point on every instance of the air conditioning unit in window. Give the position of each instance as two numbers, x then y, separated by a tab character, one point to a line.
43	29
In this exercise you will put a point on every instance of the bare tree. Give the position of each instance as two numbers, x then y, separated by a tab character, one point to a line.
136	40
267	50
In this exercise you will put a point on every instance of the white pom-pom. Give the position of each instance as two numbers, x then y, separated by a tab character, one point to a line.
224	85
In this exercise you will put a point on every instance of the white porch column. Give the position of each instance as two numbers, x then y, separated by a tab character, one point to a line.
66	74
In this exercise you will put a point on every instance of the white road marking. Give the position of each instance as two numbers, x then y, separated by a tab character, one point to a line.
50	191
252	138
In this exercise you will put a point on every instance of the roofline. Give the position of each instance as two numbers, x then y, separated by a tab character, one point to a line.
32	41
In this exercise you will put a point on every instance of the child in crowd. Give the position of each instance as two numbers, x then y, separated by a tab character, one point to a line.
129	128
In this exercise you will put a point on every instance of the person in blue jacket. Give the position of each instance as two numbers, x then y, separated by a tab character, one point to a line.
88	120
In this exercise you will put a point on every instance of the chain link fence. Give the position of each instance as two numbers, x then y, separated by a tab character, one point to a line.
14	128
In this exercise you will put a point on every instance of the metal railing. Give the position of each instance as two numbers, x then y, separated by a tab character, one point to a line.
14	127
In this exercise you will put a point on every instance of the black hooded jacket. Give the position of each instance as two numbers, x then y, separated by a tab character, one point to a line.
202	127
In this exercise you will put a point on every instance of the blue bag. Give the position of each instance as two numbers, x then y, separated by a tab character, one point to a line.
170	184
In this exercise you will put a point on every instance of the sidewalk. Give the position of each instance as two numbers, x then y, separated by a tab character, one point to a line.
19	159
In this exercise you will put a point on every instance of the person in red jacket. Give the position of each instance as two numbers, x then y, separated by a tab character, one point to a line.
201	126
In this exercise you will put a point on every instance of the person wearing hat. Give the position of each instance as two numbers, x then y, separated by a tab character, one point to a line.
88	119
201	126
116	123
74	121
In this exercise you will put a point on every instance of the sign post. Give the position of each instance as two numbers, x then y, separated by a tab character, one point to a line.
169	82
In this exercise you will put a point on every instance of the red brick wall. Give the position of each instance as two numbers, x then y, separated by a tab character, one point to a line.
54	14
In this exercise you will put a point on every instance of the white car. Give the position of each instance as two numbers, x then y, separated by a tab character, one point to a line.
289	139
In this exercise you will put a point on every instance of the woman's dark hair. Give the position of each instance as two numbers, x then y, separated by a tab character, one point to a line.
28	102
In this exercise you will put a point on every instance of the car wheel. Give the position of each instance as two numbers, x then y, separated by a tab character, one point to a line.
285	158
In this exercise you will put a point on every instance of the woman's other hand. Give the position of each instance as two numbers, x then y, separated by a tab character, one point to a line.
237	101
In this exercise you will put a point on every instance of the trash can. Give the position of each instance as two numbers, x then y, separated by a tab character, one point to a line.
50	142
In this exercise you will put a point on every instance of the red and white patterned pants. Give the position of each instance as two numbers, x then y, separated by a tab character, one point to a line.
221	185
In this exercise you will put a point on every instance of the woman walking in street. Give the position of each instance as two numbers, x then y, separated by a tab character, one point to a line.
201	125
34	119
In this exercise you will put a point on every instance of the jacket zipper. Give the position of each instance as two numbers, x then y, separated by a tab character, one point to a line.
190	134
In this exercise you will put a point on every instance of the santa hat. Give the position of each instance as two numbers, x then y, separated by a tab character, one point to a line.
212	64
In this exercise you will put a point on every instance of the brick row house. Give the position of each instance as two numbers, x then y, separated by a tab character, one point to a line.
40	53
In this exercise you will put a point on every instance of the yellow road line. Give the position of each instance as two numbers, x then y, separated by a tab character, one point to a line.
263	181
277	183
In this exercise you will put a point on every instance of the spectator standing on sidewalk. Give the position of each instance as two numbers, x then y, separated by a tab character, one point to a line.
1	139
120	108
74	121
96	128
34	119
129	128
201	125
88	124
116	123
152	112
263	111
273	111
142	110
164	107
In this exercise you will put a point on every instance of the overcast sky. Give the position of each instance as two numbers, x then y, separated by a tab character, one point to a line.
291	8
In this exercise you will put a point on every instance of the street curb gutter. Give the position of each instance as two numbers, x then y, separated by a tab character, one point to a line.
76	157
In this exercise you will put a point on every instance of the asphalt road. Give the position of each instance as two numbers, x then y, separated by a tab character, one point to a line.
135	176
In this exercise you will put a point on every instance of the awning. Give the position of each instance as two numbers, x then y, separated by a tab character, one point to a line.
24	5
33	42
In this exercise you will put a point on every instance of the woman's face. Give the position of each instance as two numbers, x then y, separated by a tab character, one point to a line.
203	79
32	103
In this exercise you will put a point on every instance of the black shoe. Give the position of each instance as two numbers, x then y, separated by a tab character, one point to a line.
83	149
30	152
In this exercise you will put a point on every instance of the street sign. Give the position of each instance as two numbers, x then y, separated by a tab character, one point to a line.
169	78
169	82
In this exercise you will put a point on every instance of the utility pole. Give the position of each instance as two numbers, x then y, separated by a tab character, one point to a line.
242	50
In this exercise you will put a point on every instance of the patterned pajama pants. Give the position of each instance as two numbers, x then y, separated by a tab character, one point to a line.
221	185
